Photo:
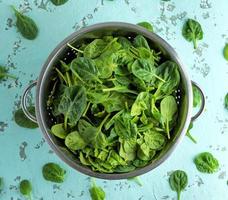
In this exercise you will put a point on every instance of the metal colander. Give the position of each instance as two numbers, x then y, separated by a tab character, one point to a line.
62	52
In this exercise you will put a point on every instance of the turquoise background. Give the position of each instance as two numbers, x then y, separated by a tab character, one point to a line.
23	152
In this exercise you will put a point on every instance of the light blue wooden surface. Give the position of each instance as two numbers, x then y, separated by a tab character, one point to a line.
23	152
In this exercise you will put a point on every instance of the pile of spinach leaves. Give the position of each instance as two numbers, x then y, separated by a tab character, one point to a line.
114	102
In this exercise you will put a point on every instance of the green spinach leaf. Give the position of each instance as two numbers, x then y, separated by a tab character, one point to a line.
53	172
192	31
196	97
226	101
58	2
26	26
74	141
225	52
96	192
206	163
26	188
168	111
22	120
178	181
72	104
4	73
146	25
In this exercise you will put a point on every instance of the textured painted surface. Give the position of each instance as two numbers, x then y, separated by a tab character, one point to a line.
23	151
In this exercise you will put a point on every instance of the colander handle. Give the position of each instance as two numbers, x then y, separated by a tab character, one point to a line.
24	102
202	101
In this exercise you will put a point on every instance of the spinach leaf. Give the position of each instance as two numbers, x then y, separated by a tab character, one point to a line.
25	25
85	69
178	181
93	135
140	41
72	104
144	70
59	131
155	140
4	73
53	172
136	180
146	25
95	48
188	134
192	31
141	104
124	127
128	148
206	163
168	71
96	193
1	184
22	120
26	188
116	102
74	141
168	111
225	52
226	101
125	43
59	2
196	97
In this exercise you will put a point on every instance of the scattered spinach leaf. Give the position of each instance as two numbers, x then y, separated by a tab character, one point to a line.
146	25
96	192
25	25
178	181
22	120
196	97
53	172
136	180
26	188
188	134
206	163
4	73
1	184
225	52
59	2
192	31
226	101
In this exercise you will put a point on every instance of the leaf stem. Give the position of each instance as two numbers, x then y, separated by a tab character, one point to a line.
104	120
8	75
87	108
68	79
194	43
120	88
188	134
178	195
61	75
72	47
156	76
167	129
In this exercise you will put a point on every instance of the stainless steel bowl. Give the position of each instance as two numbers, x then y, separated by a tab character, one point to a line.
62	51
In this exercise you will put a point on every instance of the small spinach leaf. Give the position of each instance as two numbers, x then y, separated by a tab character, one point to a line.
22	120
26	188
178	181
72	104
59	131
25	25
192	31
59	2
4	73
168	111
53	172
96	192
74	141
146	25
206	163
226	101
225	52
